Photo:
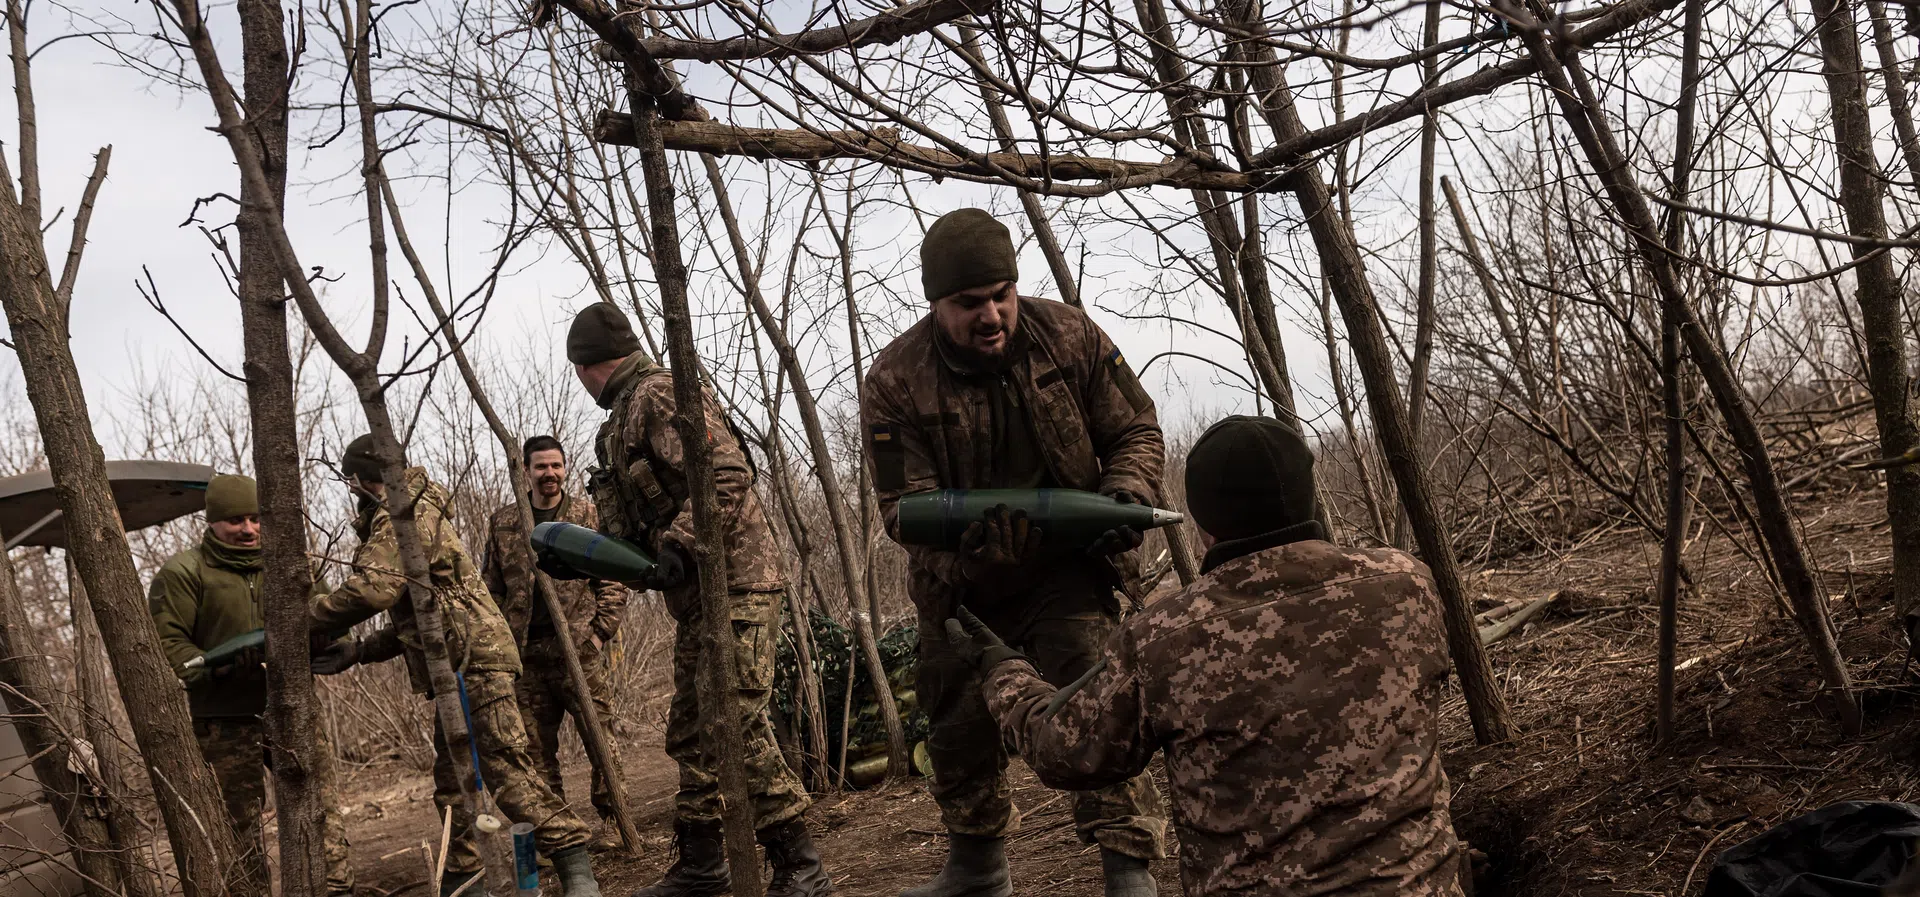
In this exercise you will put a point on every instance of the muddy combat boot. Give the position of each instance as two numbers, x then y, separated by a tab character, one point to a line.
699	869
976	867
1126	876
797	871
575	872
451	882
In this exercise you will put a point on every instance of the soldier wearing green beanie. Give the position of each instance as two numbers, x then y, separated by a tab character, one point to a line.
1294	689
204	596
995	390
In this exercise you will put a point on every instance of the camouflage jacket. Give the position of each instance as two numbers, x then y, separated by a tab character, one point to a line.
477	635
592	606
1296	693
639	448
930	426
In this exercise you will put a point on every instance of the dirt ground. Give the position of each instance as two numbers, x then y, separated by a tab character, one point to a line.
1582	804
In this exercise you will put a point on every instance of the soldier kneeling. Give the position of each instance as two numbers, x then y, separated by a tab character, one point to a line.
1295	688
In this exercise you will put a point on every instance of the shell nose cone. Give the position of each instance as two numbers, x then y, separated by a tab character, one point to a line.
1167	518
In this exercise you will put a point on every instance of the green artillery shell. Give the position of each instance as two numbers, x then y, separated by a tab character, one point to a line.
599	556
1067	518
219	655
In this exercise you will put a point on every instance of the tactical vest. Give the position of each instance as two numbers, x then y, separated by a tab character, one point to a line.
631	501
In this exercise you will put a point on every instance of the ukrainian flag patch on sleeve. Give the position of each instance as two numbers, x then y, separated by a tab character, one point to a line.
1129	384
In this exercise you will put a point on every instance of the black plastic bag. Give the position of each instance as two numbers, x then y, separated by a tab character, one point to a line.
1851	849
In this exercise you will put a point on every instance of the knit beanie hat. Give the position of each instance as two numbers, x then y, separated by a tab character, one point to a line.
1247	476
230	496
966	248
359	460
600	332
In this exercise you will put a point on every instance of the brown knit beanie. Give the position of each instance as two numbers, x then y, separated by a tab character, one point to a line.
230	496
1247	476
600	332
966	248
359	460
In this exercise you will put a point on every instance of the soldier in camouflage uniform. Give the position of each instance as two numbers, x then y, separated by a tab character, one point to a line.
641	491
1295	688
593	609
482	650
202	597
995	390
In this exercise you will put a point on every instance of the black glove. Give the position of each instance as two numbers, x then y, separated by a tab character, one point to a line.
1120	539
555	568
670	569
249	660
976	643
337	657
999	545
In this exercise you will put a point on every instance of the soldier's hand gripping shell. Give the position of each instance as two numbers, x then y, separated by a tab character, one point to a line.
1120	539
1000	543
976	642
670	568
337	657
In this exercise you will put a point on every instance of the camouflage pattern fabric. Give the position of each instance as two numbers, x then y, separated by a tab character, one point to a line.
929	426
232	746
593	606
507	768
546	698
778	796
1064	631
477	635
1295	691
640	434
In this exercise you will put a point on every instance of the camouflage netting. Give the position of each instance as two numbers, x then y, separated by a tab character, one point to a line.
834	649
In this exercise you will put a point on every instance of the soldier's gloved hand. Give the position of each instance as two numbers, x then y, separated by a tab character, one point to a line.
1120	539
669	569
337	657
999	544
250	659
976	642
555	568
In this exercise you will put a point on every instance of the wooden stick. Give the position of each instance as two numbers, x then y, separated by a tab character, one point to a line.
1512	623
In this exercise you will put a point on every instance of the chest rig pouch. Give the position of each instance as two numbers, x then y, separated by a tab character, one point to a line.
631	501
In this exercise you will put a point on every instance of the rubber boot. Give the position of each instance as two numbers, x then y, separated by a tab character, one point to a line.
1126	876
976	867
699	869
574	868
797	871
451	882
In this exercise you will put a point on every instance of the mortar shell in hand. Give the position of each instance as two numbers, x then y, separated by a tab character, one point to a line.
595	554
222	654
1067	518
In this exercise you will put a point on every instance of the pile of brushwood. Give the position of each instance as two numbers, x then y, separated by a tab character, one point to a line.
852	715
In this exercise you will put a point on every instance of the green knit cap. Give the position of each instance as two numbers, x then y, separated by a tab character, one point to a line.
966	248
230	496
360	461
600	332
1249	475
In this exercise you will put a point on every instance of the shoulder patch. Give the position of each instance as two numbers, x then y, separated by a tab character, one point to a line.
889	457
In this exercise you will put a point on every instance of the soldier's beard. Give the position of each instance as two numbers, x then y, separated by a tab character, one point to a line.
548	487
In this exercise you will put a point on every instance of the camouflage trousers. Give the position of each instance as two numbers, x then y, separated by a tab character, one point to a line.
777	794
1063	626
233	747
507	770
547	698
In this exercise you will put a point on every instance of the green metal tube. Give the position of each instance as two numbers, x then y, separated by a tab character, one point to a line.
597	555
1067	518
222	654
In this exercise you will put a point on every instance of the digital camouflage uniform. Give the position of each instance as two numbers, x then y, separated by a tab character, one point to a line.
593	610
641	492
1296	693
202	597
482	651
1068	413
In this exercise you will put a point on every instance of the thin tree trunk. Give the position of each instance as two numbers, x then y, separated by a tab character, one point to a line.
1877	286
1346	275
1429	243
109	754
1899	105
32	702
189	798
594	738
824	469
302	765
1674	540
718	674
1581	110
1516	348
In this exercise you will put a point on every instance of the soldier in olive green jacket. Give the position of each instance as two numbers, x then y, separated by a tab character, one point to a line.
202	597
